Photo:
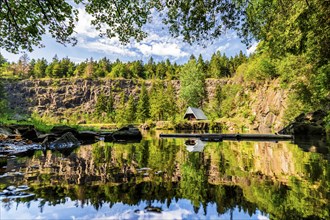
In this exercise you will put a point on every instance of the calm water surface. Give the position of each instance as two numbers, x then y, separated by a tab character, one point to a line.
169	179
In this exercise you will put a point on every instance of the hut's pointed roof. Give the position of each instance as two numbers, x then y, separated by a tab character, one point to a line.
198	113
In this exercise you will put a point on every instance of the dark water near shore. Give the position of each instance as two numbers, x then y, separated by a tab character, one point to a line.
166	179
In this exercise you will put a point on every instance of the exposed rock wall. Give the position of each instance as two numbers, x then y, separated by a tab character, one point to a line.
268	105
58	96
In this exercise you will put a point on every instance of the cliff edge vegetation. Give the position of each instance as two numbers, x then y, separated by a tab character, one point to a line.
258	92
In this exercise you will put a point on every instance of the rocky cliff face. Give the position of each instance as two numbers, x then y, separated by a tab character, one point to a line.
60	97
268	104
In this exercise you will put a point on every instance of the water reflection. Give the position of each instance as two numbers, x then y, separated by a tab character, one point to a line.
163	178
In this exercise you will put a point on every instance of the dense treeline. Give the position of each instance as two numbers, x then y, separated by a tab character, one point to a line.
219	66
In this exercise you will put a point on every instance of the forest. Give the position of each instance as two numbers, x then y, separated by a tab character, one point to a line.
293	50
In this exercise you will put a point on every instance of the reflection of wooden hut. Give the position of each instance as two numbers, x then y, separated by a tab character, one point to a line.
194	145
194	114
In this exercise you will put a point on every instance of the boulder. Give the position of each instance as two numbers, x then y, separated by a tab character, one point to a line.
30	134
66	141
5	132
87	137
127	133
108	137
307	124
22	131
62	129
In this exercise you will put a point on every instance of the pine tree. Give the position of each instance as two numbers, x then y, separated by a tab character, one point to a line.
100	105
130	109
121	109
143	105
157	101
109	106
170	102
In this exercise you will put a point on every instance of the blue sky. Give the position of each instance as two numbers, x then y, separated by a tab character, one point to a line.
159	44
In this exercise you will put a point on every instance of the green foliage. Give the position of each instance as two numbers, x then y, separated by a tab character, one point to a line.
120	117
23	23
158	103
143	105
231	99
130	109
215	105
192	81
320	83
260	68
219	66
105	107
162	101
39	68
2	60
293	70
3	100
118	70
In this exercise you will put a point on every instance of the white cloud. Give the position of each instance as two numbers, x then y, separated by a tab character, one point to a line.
83	26
252	49
162	49
222	48
178	213
262	217
108	46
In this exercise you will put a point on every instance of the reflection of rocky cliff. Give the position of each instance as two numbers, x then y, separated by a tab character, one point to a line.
106	162
263	175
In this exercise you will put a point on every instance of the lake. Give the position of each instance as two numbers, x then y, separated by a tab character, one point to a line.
170	179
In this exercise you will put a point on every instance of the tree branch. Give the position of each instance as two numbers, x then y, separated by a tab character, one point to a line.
307	3
42	9
117	9
10	14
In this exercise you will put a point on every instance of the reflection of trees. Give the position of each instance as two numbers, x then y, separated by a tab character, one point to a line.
279	179
193	184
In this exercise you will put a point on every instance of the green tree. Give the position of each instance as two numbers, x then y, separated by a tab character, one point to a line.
109	107
150	68
170	70
143	105
2	59
104	106
202	64
118	70
50	68
130	109
80	69
100	105
215	105
170	101
67	67
157	101
103	67
121	109
192	82
160	70
137	69
3	100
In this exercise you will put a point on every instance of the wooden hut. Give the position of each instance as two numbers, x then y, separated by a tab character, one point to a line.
194	114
